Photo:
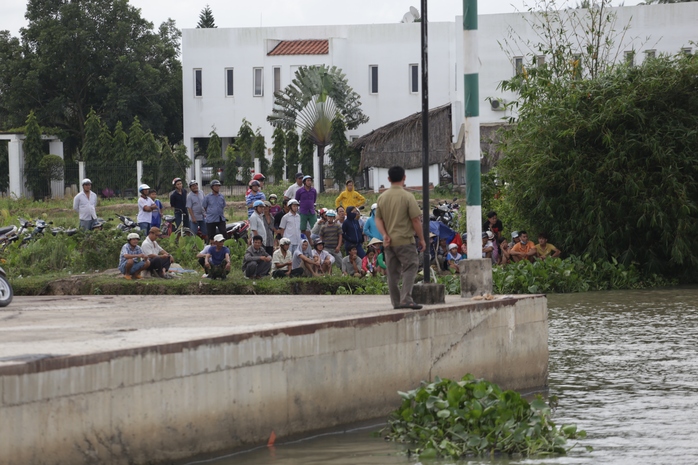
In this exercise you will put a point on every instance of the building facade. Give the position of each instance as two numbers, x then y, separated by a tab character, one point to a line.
230	74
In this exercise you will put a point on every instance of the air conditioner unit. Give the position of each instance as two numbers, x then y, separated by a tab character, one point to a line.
498	104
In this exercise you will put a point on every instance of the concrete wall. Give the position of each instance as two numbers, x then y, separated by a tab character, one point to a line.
173	401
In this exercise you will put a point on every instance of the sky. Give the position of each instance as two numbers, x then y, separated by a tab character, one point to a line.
237	13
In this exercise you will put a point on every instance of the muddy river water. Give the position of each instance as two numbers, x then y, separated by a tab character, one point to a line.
624	365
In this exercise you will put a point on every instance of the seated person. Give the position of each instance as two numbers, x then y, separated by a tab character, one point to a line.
441	253
281	261
487	244
351	265
453	257
216	258
323	259
380	255
303	260
256	262
370	262
523	250
160	260
505	256
544	249
132	260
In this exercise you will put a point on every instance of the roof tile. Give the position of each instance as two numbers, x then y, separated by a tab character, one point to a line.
301	47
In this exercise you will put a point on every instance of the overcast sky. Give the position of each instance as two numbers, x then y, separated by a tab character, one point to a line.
251	13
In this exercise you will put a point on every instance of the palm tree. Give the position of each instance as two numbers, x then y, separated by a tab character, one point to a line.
314	98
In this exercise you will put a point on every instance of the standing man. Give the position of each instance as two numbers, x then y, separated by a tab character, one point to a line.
398	219
145	208
85	203
349	197
291	191
307	196
214	206
257	223
290	226
178	201
195	207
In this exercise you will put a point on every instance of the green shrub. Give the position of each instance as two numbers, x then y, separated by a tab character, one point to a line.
475	417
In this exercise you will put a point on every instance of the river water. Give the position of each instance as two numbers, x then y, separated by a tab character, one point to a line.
624	365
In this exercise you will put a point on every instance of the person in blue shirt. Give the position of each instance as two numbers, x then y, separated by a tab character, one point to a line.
254	195
157	212
216	258
214	206
370	228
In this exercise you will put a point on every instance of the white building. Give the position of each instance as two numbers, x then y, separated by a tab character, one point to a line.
231	73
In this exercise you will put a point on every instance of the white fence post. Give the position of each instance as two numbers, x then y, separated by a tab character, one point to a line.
81	172
197	173
139	173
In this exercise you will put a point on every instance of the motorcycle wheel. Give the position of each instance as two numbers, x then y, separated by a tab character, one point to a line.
5	292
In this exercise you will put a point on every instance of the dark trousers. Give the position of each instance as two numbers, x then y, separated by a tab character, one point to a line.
402	262
297	273
215	228
179	217
255	268
160	263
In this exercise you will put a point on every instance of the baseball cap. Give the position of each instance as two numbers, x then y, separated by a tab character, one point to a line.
514	234
219	238
155	230
133	236
299	175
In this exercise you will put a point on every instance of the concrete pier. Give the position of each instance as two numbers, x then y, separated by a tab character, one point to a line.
141	379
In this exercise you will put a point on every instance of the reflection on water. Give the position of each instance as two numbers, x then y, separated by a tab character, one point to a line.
624	365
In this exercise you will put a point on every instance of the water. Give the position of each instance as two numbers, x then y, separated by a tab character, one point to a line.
624	365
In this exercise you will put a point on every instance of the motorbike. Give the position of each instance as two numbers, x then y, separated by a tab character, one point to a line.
445	212
5	289
238	230
11	234
127	224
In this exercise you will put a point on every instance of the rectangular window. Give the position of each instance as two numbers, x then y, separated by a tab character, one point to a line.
373	79
198	88
277	79
687	50
414	79
630	58
540	60
649	54
518	66
258	82
229	89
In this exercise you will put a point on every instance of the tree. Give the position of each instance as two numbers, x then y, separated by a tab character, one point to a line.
171	163
51	168
33	153
99	54
259	151
306	155
607	166
339	151
206	19
91	149
312	100
278	151
292	153
214	159
120	146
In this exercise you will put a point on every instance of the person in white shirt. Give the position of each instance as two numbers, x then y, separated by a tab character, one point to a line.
291	191
145	209
160	260
85	204
290	225
257	223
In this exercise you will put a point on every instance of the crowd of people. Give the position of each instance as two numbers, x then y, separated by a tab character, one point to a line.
292	239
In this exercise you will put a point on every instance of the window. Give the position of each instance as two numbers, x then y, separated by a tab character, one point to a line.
277	79
540	61
373	79
649	54
630	58
229	82
198	88
258	82
414	79
687	50
518	66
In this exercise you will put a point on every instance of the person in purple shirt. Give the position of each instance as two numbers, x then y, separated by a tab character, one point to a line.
307	196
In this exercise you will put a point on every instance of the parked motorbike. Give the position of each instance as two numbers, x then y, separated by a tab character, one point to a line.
238	230
5	289
445	212
127	224
12	233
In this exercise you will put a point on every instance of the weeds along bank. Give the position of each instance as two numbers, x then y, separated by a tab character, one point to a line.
75	265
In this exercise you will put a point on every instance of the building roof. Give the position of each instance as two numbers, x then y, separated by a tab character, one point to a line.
301	47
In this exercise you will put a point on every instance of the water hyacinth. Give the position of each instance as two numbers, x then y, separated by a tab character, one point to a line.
473	417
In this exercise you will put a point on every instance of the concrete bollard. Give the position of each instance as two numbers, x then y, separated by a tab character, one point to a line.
475	277
429	294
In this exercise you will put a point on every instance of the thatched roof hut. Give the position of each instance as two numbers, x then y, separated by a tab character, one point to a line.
400	142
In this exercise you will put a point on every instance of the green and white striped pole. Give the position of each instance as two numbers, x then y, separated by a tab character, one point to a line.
471	123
